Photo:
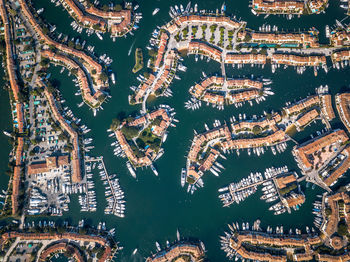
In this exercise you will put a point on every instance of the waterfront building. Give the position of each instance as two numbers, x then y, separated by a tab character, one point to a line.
297	7
342	104
181	251
19	116
217	90
75	158
94	97
117	22
315	153
149	128
298	60
305	40
58	241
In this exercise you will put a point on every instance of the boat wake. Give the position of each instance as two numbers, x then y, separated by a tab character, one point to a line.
132	45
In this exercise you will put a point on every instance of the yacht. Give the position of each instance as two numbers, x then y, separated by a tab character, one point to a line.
113	78
99	35
158	246
131	169
154	170
7	133
155	11
183	177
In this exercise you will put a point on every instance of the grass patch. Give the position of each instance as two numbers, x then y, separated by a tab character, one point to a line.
138	60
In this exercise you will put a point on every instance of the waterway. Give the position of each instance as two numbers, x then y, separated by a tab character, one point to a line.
157	206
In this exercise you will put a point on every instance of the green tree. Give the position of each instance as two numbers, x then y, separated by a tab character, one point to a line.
257	130
130	132
118	8
71	44
45	30
115	123
44	61
103	76
342	228
152	53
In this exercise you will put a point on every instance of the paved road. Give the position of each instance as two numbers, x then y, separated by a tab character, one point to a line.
12	247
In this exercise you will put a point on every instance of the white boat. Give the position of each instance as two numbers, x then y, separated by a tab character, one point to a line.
202	245
155	11
178	235
7	134
113	78
154	170
131	169
158	246
164	137
99	35
134	252
183	177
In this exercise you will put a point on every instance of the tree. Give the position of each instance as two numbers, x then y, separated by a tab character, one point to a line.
45	30
52	48
152	53
130	132
44	61
342	228
115	123
247	37
74	71
2	45
105	8
263	51
140	143
71	44
27	48
118	8
257	130
96	27
103	77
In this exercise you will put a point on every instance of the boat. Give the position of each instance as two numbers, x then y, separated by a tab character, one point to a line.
7	133
164	137
113	78
155	11
134	252
131	169
158	246
187	9
154	170
99	35
327	31
178	235
183	177
202	245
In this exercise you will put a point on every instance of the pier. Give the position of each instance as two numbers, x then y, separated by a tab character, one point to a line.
110	184
250	186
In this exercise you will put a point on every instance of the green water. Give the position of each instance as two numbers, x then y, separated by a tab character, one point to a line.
157	206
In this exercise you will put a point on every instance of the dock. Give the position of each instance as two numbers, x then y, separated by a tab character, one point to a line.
100	159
